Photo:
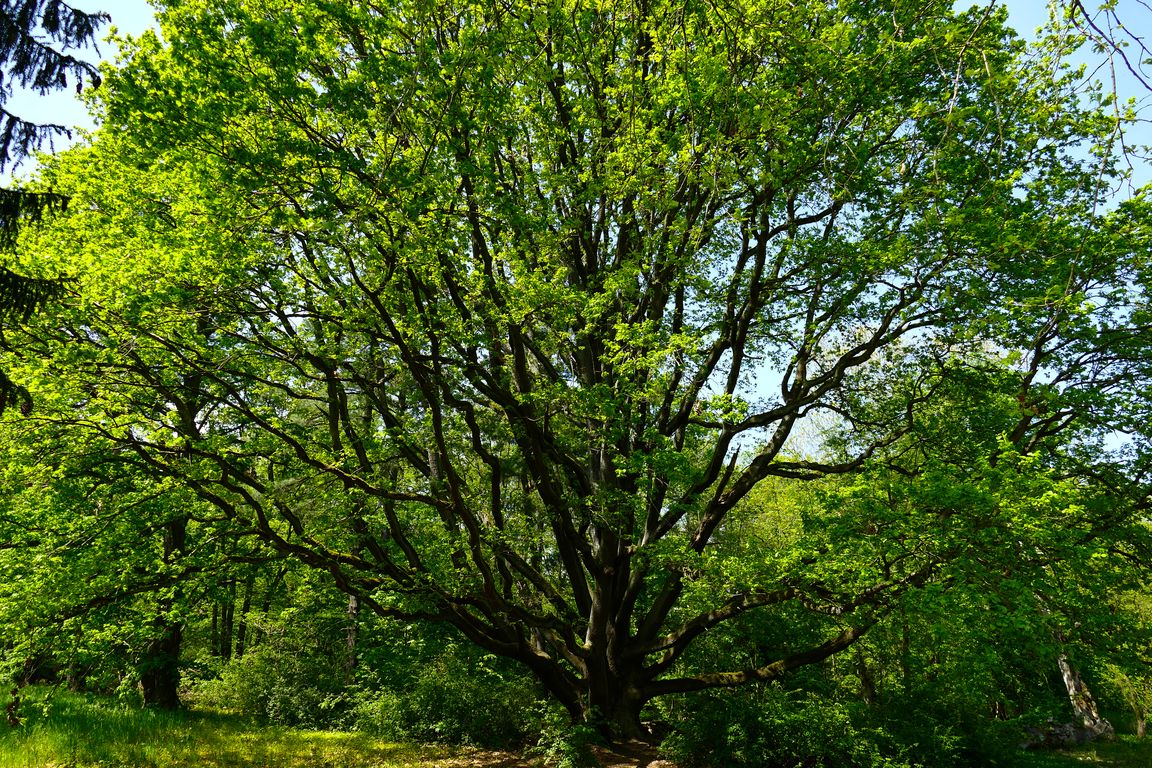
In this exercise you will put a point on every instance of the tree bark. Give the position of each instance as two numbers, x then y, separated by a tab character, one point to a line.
245	607
614	707
160	669
160	664
214	634
867	681
227	622
352	635
1083	703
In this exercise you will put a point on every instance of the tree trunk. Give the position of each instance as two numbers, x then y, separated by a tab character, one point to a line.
1083	703
227	622
77	678
905	652
867	681
160	665
12	711
160	669
245	608
614	708
351	637
613	681
214	634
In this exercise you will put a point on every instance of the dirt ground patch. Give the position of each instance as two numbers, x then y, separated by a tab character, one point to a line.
628	755
633	754
484	758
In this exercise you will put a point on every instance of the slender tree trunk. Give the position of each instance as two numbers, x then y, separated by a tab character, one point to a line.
352	637
227	622
905	651
1083	703
77	678
245	608
867	681
12	711
266	602
214	636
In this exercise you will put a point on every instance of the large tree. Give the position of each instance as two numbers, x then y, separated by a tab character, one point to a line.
496	313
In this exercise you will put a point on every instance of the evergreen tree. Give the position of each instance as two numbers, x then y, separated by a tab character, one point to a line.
35	37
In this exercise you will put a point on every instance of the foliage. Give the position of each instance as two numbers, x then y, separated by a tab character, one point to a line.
408	682
508	318
35	39
1122	752
281	686
450	696
962	665
1130	690
294	668
459	696
565	744
79	606
769	726
1126	683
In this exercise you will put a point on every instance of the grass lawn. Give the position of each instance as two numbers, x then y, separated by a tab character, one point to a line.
66	730
1124	752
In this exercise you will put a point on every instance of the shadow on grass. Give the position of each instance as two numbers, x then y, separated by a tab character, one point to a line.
1124	752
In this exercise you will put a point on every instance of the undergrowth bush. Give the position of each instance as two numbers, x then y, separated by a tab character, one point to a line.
408	684
459	697
768	727
281	686
563	744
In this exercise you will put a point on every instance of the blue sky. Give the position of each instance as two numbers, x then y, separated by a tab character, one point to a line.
131	17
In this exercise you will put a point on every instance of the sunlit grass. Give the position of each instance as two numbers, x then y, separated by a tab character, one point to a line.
75	731
1123	752
66	730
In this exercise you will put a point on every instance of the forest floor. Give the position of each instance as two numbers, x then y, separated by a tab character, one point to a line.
1124	752
631	755
64	730
67	730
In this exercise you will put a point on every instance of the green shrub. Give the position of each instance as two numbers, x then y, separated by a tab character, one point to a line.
768	727
563	744
459	697
281	686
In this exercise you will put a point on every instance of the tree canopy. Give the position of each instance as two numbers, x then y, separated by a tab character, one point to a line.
517	316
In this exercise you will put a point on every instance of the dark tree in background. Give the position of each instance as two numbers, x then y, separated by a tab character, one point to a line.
35	39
